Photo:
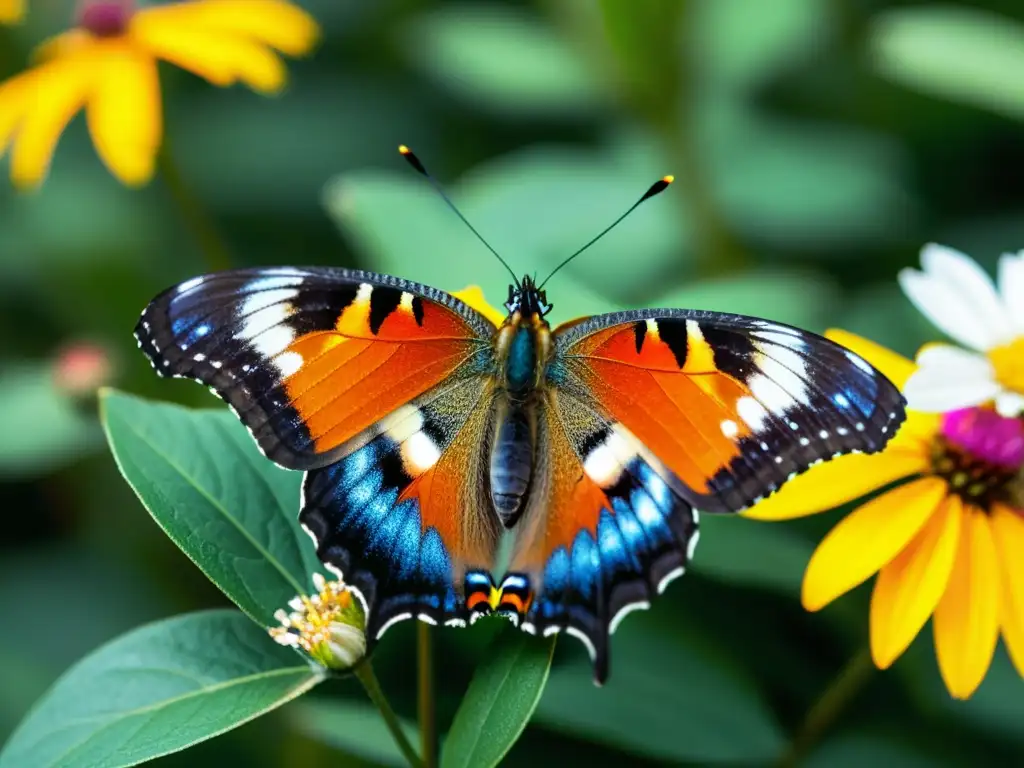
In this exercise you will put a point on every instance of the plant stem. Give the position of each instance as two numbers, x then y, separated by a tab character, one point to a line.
215	252
843	688
369	680
425	694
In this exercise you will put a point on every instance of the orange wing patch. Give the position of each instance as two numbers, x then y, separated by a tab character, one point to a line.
660	378
387	348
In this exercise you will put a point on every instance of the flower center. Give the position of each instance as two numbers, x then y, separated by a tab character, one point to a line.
1008	362
105	18
980	454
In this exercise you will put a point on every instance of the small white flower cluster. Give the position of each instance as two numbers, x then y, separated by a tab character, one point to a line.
329	625
960	299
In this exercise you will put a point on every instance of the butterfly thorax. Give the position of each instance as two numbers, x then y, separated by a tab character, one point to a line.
523	349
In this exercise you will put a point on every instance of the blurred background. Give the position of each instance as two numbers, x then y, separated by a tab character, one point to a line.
816	144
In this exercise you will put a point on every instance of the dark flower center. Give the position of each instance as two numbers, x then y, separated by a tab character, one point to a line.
105	18
978	482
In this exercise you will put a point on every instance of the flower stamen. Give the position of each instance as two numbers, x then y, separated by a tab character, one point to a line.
328	625
979	453
1008	362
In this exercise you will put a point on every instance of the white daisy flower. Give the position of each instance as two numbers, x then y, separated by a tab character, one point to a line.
959	298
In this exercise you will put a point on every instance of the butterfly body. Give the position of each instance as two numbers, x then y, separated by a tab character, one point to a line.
428	433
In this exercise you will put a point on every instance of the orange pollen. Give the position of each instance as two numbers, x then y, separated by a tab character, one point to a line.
1008	362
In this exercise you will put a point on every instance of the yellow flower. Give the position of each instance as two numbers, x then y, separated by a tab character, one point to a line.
107	65
946	542
11	11
474	297
329	626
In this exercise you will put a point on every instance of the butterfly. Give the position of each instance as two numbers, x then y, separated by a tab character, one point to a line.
428	433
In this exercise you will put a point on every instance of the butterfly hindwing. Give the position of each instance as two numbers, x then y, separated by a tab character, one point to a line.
309	358
734	406
606	529
404	515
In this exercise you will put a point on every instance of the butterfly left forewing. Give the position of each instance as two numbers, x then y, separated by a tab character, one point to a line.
310	357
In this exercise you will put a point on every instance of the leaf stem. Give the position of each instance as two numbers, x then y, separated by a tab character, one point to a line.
843	688
425	695
215	252
364	672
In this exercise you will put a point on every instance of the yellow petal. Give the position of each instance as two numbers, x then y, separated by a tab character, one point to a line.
893	365
278	24
61	88
1008	530
868	538
916	433
908	589
836	482
474	297
11	11
61	46
17	96
219	58
124	112
967	618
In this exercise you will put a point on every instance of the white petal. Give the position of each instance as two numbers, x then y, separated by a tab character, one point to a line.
958	297
954	362
1011	286
1009	404
949	378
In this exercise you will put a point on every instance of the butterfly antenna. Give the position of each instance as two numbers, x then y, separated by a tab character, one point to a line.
415	163
656	188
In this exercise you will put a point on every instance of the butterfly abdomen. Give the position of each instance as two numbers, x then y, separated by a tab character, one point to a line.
511	463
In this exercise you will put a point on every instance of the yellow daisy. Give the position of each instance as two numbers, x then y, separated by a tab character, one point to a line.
11	11
947	541
107	65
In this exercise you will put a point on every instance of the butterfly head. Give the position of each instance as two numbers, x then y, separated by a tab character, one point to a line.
527	299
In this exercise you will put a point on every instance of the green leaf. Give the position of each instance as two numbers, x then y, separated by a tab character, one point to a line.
752	553
158	689
790	184
501	698
42	428
98	596
503	60
229	509
742	45
953	52
858	750
800	298
667	698
352	727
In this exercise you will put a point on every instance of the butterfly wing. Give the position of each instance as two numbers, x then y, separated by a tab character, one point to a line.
405	515
380	389
309	358
735	406
651	415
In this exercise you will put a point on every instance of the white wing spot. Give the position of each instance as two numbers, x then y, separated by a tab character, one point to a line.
752	413
288	363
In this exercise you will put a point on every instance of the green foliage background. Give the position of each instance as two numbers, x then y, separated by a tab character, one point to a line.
816	146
